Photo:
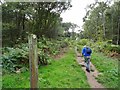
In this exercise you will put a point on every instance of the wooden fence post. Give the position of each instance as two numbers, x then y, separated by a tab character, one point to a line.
33	61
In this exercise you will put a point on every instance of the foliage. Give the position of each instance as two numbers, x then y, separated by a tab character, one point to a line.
12	80
99	46
43	58
102	22
83	42
51	46
114	48
67	27
40	18
79	48
59	74
108	69
105	47
17	58
14	58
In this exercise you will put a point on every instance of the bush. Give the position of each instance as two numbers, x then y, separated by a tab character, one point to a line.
109	41
113	48
43	58
79	48
14	58
105	47
83	42
18	58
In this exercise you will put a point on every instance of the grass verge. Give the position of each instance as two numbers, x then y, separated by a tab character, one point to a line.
61	73
108	68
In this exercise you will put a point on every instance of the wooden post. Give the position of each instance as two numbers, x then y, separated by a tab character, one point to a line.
33	61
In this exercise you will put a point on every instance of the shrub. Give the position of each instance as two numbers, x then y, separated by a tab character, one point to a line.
83	42
109	41
14	58
114	48
18	58
43	58
79	48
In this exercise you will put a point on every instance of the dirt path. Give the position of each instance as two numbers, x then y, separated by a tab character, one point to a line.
90	76
62	52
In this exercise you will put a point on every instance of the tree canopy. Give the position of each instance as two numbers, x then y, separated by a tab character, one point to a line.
102	22
40	18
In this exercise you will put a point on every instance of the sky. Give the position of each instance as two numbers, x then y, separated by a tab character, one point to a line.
76	12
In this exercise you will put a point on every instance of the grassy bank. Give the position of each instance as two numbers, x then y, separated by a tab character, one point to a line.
108	68
61	73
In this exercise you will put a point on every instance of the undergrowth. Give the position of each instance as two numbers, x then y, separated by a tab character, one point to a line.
64	72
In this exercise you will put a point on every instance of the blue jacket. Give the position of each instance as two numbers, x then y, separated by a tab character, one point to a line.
84	52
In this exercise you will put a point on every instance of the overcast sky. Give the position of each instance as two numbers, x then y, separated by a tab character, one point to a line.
77	12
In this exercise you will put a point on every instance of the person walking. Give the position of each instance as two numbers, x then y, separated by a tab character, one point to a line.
86	52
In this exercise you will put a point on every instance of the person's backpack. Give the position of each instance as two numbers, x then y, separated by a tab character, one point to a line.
88	50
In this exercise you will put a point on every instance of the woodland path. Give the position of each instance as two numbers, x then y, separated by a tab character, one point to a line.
90	75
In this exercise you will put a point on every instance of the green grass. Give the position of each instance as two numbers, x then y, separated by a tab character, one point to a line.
108	68
21	80
62	73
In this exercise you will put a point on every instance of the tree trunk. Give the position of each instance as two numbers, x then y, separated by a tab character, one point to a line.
18	24
118	36
23	27
23	22
112	27
103	25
